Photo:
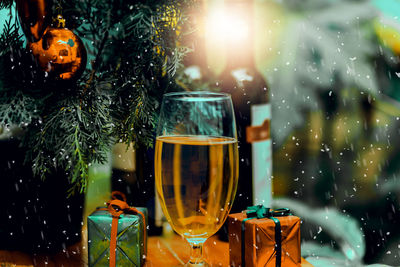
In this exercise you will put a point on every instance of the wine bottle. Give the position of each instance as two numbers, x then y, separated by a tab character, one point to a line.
249	92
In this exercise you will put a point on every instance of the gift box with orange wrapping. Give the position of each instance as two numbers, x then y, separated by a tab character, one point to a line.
263	237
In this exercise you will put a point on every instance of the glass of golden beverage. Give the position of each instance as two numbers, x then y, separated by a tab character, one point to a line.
196	165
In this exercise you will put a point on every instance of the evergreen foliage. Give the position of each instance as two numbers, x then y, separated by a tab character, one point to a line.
133	51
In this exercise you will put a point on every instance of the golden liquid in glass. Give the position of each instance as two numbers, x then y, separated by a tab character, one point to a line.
196	181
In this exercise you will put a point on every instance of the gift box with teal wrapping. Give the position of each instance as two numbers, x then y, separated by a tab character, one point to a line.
264	237
117	235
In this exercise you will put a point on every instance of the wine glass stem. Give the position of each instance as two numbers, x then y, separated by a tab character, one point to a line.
196	253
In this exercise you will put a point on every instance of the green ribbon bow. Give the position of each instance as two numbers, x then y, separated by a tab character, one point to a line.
260	212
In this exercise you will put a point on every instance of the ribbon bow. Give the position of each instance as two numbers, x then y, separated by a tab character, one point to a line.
117	207
260	212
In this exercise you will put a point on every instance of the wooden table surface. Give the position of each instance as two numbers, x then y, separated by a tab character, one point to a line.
162	252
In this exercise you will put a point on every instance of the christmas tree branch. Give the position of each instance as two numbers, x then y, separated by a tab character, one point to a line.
70	125
81	168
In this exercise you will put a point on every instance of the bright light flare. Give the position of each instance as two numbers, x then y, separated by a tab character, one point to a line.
228	27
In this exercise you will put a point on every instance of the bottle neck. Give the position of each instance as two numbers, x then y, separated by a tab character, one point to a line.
238	58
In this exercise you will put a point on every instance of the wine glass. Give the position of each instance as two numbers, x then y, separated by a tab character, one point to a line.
196	165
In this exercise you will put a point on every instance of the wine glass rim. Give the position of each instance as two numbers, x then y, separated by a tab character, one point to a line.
199	95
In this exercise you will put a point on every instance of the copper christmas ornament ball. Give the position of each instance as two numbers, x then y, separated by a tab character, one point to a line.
60	53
